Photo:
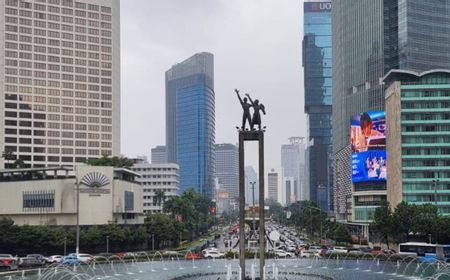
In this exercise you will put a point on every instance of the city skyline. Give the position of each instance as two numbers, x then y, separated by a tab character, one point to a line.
242	36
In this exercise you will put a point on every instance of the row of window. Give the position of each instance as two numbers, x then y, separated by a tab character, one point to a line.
25	106
426	117
425	151
52	150
65	125
166	191
94	153
57	51
65	3
9	88
79	31
425	174
425	140
56	117
429	187
155	169
426	128
57	76
77	143
64	77
53	109
157	183
56	59
425	162
425	93
50	133
57	42
158	176
425	104
63	15
57	67
57	100
425	197
42	199
79	27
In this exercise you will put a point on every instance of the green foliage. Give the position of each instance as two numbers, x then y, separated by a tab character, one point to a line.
421	221
383	221
28	239
193	209
110	161
340	234
309	218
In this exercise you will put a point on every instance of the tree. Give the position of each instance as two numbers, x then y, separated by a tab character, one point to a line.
111	161
425	220
194	210
161	228
404	216
383	221
159	198
340	234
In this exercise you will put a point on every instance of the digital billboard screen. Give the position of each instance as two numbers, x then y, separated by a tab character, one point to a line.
368	144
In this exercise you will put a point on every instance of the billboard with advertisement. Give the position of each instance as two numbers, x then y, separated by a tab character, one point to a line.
368	144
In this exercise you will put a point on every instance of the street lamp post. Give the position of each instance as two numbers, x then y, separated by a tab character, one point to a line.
77	249
153	242
253	205
107	244
320	218
65	245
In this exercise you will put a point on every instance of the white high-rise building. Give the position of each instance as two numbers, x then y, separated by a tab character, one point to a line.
159	182
60	78
272	185
227	168
293	170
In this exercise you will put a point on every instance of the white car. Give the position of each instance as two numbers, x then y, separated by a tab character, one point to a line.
54	259
213	254
338	250
314	249
283	254
84	258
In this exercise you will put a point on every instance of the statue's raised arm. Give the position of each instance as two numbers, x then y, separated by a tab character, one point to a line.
237	93
249	98
246	117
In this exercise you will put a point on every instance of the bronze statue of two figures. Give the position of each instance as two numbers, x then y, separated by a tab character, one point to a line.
246	117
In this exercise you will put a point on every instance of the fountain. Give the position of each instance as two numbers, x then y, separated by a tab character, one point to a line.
327	268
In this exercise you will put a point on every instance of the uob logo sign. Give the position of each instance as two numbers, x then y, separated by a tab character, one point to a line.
317	6
325	6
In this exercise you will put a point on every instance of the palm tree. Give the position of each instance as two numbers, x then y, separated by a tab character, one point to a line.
159	198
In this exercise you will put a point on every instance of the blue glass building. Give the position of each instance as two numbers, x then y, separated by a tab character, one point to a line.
190	121
318	107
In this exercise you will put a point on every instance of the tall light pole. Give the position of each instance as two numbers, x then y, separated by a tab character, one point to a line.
321	222
107	244
77	249
153	242
253	209
65	245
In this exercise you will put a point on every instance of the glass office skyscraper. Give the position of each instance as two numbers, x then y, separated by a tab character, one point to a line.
371	37
190	121
318	94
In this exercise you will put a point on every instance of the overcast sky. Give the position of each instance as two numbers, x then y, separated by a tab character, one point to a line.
257	49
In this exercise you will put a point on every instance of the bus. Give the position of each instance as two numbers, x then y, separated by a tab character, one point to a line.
425	252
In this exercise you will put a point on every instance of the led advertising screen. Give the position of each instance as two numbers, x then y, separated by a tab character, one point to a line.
368	143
